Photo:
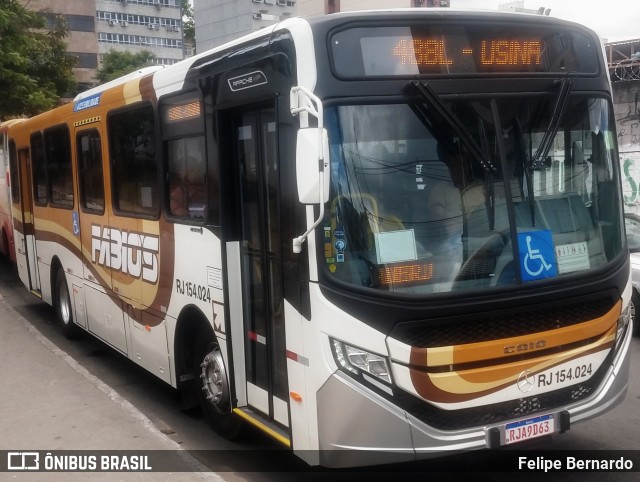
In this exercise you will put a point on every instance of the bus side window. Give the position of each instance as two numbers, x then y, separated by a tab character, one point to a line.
89	151
187	181
39	167
58	153
132	141
13	171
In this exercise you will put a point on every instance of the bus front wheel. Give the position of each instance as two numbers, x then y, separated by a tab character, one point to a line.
213	386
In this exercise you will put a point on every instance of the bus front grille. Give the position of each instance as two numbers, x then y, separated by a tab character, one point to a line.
495	326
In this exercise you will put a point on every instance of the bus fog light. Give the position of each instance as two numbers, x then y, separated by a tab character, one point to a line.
358	361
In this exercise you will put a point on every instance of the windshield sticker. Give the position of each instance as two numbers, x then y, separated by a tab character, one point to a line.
395	246
420	184
328	251
537	255
340	246
572	257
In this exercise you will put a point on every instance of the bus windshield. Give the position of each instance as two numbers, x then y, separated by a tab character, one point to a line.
415	209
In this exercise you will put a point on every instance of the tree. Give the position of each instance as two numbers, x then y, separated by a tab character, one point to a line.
35	70
116	63
50	61
188	24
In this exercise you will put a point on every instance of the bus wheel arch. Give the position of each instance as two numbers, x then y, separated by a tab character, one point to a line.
187	327
214	390
202	374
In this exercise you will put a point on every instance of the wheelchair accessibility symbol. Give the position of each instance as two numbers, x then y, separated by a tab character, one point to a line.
76	223
537	255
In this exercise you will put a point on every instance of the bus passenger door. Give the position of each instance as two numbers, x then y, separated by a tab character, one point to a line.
26	255
101	312
255	154
91	212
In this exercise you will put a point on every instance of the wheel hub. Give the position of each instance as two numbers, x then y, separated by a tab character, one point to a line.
214	380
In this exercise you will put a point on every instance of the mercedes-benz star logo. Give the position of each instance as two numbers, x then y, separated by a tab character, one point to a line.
526	381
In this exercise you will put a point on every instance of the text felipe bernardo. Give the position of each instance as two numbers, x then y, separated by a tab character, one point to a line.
568	463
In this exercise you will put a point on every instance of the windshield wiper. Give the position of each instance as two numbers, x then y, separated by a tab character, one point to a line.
440	113
538	160
528	171
436	115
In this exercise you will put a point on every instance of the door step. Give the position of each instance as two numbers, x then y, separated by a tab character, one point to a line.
268	427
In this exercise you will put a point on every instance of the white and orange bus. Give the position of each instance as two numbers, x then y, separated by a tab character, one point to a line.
376	236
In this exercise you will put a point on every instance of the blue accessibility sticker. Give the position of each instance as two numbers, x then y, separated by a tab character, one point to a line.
76	223
537	255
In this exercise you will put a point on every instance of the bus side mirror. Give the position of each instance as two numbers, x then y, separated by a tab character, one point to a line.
312	165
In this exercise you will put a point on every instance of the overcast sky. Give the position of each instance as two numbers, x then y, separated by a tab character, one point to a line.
614	20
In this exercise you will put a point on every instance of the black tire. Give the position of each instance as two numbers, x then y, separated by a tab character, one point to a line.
4	245
213	390
635	305
63	307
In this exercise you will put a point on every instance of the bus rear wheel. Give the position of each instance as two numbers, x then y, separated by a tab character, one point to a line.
63	307
213	386
4	244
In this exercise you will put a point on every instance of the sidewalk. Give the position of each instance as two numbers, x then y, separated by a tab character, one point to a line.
48	402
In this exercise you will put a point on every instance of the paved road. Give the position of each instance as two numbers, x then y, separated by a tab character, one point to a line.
618	429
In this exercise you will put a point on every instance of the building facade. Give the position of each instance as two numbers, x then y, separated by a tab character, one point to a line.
219	21
135	25
518	6
98	26
82	41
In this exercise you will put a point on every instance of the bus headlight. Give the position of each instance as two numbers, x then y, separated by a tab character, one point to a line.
358	361
623	323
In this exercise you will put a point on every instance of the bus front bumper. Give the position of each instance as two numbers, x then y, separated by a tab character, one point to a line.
358	427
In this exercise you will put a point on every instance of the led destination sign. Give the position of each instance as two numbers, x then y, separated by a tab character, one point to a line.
492	52
453	49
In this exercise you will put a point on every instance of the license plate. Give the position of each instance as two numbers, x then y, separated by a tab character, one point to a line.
528	429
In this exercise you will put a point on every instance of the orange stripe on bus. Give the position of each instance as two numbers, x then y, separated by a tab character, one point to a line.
507	347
